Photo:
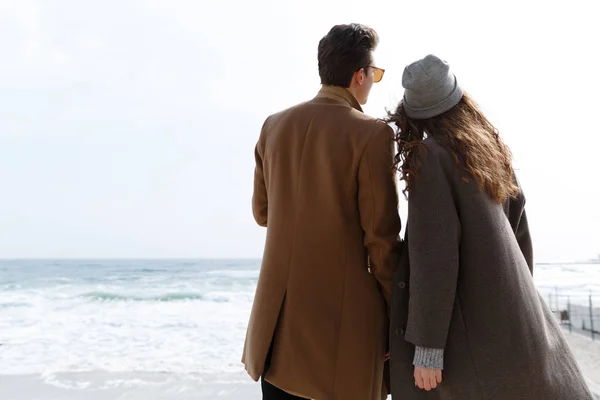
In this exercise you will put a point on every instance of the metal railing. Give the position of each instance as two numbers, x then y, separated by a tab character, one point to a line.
579	311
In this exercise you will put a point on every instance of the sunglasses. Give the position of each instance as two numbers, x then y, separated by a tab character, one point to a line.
377	73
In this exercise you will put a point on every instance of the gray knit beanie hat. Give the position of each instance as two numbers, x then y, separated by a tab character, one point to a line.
430	88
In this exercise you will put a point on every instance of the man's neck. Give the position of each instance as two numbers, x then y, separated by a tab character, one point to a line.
353	91
340	93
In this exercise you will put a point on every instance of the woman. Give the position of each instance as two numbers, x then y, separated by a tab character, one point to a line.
466	302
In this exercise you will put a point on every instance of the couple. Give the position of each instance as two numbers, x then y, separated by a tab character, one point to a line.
454	303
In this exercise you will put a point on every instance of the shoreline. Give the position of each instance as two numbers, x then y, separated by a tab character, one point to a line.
588	262
123	386
100	385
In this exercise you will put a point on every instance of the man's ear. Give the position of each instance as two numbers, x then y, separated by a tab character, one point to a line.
360	77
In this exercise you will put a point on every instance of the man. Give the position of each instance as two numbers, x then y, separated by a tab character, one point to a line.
324	186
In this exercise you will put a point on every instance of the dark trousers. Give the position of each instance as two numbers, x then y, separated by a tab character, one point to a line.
271	392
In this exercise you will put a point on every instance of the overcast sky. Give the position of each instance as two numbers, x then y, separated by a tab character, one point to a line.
127	127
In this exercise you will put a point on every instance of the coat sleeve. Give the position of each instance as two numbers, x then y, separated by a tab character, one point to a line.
378	207
434	239
518	221
259	196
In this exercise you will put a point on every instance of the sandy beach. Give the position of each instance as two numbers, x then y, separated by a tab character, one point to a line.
587	352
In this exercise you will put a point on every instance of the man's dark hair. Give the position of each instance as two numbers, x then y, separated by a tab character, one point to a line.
343	51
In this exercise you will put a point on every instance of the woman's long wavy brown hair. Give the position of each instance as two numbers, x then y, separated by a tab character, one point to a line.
472	139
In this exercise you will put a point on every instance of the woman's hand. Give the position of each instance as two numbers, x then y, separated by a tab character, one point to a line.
427	378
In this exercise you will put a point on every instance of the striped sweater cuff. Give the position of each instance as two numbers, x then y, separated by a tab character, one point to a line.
429	358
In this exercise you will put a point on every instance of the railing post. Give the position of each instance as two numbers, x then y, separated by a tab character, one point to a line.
569	314
592	317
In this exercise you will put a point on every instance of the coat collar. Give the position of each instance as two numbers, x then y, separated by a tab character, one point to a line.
340	94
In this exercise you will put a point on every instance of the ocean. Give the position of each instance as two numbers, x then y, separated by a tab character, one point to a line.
145	329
